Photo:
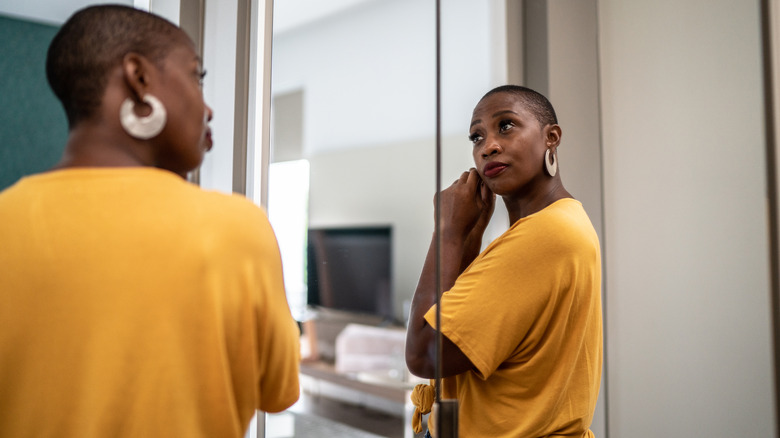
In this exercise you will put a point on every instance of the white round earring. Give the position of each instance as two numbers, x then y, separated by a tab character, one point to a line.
143	128
552	168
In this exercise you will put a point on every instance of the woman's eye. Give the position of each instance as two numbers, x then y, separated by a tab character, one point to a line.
201	75
475	138
505	125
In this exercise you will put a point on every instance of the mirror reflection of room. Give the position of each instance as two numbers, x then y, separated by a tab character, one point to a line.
351	176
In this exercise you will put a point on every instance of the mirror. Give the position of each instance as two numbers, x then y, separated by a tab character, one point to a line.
353	113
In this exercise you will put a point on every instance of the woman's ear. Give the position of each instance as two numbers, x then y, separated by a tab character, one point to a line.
137	72
553	135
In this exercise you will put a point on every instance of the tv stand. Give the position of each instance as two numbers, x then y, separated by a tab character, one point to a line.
371	351
320	379
394	392
322	326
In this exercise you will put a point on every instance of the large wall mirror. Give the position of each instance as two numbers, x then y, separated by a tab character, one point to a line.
352	155
353	163
623	77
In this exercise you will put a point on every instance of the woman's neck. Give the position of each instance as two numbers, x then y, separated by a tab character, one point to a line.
522	206
92	146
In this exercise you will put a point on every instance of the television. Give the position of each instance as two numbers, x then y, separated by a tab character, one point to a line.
350	269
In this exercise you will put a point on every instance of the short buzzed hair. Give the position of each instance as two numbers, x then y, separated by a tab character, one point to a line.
535	101
94	40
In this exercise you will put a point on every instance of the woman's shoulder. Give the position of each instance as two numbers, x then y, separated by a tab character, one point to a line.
567	213
564	223
228	221
229	210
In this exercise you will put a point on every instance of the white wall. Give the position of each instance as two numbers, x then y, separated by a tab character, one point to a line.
219	61
290	14
689	348
368	74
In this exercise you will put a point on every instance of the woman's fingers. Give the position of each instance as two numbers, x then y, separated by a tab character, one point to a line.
487	195
472	178
464	177
468	185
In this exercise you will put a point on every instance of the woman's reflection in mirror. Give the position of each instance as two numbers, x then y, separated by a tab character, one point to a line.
521	320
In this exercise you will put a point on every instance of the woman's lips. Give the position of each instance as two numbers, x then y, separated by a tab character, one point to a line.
208	141
494	168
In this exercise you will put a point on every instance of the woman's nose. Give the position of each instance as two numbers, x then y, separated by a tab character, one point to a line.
491	147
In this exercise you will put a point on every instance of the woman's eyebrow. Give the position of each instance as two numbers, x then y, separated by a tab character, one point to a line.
500	113
495	115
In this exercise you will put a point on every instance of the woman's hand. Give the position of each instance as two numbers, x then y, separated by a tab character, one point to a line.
488	203
466	207
473	242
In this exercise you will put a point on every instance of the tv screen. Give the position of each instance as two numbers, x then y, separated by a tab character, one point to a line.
350	269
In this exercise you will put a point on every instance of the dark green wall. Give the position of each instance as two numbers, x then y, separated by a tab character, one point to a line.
33	127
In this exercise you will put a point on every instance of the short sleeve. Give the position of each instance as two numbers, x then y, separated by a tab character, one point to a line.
278	349
494	310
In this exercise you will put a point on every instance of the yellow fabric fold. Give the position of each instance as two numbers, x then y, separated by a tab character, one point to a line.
422	397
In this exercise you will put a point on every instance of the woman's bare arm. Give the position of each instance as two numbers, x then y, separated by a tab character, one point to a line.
466	207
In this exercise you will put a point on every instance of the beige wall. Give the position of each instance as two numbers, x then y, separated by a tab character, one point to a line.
689	348
573	84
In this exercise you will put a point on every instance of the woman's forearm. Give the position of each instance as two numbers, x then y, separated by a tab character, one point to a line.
465	210
420	339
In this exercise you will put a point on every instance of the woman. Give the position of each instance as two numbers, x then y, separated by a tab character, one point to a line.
521	321
133	302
